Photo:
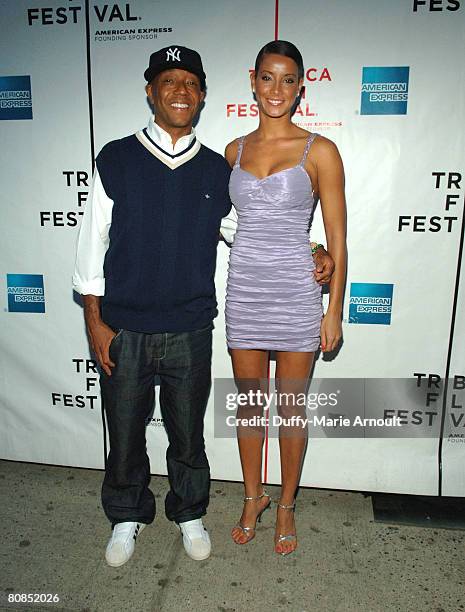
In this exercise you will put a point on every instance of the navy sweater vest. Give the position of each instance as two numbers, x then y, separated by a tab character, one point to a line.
160	264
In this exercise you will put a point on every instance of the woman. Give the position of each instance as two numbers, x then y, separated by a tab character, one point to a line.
273	301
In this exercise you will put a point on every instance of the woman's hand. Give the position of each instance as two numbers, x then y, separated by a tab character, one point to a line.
330	332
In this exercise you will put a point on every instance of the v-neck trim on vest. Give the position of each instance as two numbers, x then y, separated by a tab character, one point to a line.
172	161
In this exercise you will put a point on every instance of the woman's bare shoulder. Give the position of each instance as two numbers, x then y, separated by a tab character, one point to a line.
324	143
324	148
231	149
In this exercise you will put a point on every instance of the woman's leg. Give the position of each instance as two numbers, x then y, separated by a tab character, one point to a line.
250	372
292	374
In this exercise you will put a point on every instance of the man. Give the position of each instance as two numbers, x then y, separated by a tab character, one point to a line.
145	266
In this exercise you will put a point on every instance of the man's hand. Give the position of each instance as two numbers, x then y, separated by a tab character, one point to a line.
100	335
324	266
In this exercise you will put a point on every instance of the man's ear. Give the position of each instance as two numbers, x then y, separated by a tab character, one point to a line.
148	91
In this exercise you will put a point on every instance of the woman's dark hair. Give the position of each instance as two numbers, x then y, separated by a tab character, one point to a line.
281	47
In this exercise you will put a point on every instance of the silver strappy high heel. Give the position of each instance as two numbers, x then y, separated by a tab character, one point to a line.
290	537
250	531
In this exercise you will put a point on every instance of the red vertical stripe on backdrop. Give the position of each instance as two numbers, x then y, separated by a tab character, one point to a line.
265	461
276	19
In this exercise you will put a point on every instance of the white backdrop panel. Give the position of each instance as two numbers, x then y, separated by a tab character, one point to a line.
37	349
389	161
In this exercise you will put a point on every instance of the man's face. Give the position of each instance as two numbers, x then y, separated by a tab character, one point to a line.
176	97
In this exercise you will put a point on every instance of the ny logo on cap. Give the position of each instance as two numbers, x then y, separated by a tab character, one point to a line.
173	54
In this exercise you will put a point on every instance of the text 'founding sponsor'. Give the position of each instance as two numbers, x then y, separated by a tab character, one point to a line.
130	34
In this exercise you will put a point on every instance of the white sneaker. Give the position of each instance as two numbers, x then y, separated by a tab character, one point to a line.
195	539
122	541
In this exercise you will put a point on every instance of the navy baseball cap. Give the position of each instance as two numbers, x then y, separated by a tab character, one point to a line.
175	57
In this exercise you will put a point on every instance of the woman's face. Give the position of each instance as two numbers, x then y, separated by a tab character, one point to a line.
276	84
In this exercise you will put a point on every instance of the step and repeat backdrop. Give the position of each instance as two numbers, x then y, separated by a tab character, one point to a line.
384	80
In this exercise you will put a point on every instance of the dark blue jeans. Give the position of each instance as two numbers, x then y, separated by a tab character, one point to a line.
183	363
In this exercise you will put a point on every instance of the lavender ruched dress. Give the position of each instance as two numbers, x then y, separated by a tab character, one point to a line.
272	299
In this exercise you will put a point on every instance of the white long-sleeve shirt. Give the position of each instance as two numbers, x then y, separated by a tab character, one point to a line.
93	238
